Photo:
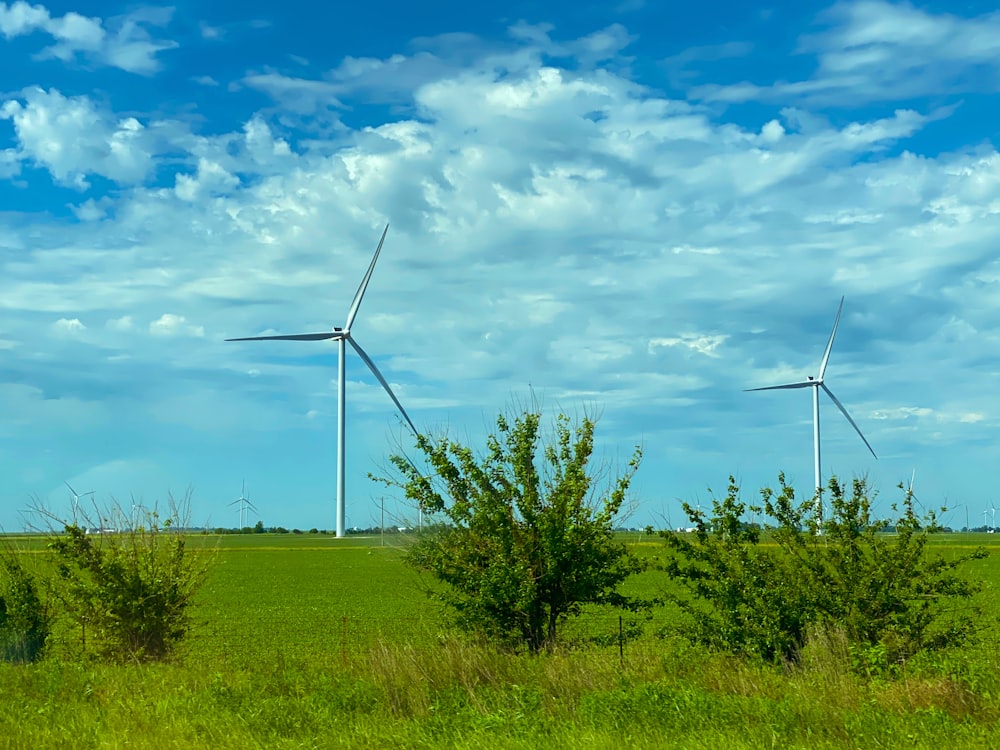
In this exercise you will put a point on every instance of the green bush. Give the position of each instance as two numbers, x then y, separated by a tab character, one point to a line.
129	589
529	540
889	596
24	619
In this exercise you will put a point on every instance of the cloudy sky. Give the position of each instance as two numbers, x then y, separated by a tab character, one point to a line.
633	210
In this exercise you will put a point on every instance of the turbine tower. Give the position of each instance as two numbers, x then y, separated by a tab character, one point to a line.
816	383
343	336
245	503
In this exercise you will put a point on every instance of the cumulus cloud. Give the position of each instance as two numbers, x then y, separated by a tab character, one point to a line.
70	327
123	42
210	179
72	137
170	325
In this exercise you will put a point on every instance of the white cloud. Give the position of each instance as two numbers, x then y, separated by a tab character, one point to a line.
21	18
170	325
210	179
123	43
696	342
92	210
901	412
72	138
123	323
971	417
874	50
210	32
554	222
71	327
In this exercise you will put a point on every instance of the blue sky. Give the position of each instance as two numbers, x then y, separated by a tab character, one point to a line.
629	209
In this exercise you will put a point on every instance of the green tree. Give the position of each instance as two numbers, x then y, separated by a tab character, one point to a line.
740	595
528	539
889	596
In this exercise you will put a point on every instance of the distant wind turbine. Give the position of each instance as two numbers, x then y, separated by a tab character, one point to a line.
816	383
342	336
909	490
77	496
244	501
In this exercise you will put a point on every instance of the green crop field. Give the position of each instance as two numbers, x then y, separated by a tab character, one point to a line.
310	641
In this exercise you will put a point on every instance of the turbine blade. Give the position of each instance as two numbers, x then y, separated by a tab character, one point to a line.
803	384
334	334
358	295
844	412
384	382
829	344
71	488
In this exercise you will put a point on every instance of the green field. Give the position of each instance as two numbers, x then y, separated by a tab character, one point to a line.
310	641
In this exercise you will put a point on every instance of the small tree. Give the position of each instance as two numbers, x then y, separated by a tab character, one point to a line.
741	596
24	619
129	581
528	542
889	596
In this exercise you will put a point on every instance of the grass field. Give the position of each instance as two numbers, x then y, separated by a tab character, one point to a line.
310	641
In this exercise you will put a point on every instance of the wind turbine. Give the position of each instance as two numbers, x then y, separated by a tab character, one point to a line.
342	336
138	510
816	383
77	496
912	495
245	503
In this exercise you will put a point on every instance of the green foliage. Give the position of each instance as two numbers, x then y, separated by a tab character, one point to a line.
527	541
130	589
24	619
762	594
265	669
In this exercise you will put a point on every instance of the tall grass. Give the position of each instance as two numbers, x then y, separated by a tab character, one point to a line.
418	688
460	695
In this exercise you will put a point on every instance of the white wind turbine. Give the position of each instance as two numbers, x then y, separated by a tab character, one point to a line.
816	383
77	496
244	501
342	336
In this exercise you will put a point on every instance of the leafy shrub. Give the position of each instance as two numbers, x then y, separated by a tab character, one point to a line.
24	619
528	541
889	596
128	589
